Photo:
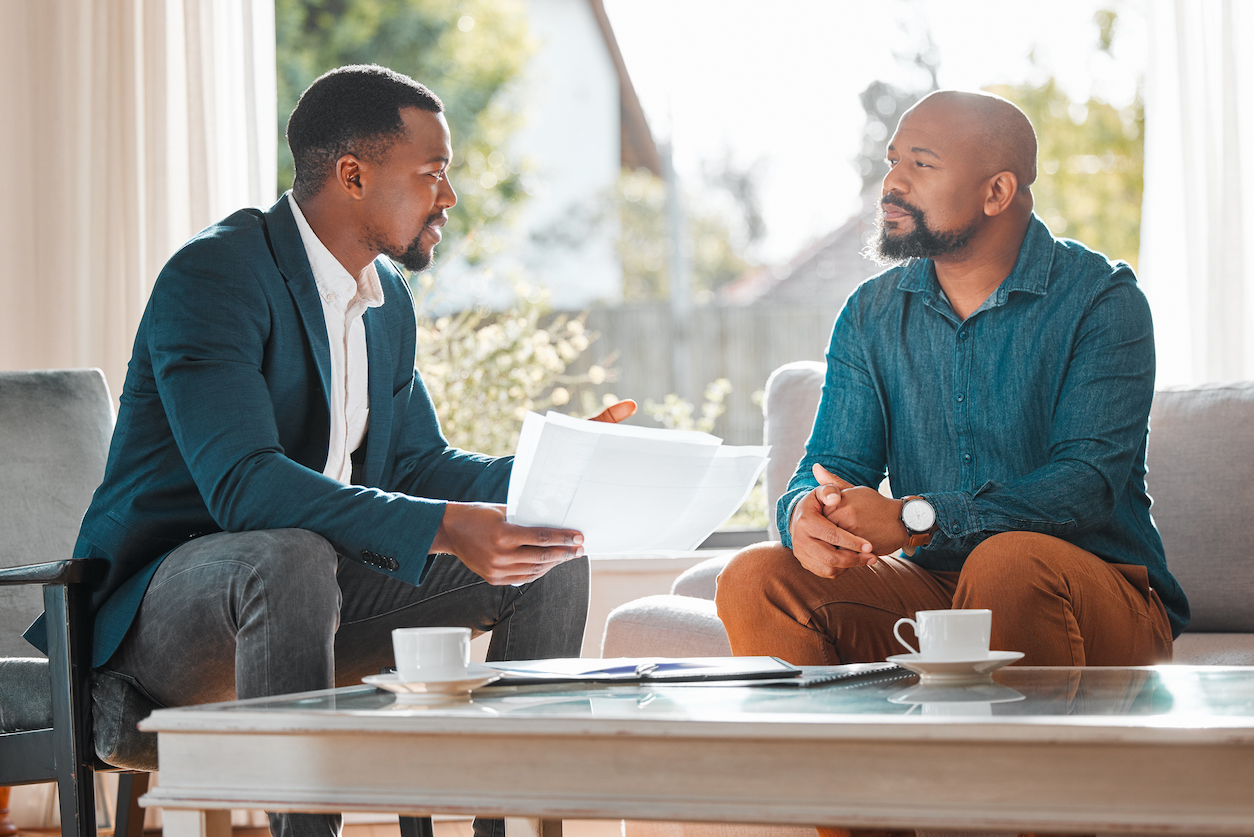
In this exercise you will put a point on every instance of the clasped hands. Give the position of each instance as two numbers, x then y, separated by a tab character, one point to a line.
503	553
839	525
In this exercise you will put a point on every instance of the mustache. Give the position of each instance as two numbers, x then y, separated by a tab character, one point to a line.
437	216
898	202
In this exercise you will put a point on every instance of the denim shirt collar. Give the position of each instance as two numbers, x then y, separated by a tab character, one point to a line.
1030	274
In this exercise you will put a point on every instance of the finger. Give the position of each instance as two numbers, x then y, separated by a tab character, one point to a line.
830	533
826	477
528	564
529	558
616	412
546	536
828	495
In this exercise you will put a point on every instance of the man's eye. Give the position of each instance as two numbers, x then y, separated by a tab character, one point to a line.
922	165
438	175
891	162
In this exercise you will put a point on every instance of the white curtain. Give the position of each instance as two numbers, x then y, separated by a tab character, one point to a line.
1197	226
129	125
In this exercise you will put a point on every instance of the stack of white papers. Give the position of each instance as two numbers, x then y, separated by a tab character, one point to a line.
628	489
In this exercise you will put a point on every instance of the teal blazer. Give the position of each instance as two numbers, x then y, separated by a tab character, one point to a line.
224	423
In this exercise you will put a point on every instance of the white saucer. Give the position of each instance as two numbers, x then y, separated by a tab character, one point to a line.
955	671
420	691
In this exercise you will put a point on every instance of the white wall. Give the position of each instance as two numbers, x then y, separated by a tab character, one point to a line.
572	137
570	144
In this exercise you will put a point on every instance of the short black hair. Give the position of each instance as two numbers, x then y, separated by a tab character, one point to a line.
350	110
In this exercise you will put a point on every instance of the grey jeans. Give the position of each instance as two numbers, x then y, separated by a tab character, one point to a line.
253	614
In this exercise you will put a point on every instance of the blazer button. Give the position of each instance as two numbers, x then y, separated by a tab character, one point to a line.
392	564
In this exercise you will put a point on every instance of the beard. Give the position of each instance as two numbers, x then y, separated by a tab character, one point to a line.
414	257
922	242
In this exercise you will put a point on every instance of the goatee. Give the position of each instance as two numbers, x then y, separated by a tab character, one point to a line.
415	258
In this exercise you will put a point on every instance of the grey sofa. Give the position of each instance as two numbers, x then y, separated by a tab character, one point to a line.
1201	479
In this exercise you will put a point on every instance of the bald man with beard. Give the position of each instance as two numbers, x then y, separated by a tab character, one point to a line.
1002	379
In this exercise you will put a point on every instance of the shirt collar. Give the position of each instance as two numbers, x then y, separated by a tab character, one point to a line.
1030	274
331	276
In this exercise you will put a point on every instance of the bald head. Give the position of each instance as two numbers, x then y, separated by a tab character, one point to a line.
994	132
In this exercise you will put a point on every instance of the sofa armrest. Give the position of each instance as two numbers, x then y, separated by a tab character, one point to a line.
699	581
665	626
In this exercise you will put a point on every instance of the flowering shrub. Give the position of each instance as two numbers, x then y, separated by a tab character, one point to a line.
485	370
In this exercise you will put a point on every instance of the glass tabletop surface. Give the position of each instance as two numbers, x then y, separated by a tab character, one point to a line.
1159	696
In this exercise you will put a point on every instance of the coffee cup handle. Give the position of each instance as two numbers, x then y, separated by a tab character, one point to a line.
897	632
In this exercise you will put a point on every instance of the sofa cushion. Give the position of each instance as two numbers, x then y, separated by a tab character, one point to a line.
25	694
792	399
1200	469
1201	649
665	626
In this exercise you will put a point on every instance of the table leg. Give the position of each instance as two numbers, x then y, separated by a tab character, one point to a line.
527	827
179	823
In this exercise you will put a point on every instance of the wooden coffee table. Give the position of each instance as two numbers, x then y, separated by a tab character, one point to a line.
1118	750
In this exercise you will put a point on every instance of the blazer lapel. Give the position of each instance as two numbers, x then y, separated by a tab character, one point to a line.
293	263
379	353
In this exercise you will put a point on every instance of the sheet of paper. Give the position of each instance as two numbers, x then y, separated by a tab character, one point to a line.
628	489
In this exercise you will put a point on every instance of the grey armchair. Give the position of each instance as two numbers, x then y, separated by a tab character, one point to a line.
54	438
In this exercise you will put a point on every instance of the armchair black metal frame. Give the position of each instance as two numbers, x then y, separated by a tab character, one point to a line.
64	752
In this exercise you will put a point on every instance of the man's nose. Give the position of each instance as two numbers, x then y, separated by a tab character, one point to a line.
447	198
894	182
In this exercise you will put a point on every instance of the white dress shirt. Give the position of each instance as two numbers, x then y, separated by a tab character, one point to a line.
344	300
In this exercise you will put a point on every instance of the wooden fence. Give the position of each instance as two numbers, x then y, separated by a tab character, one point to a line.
742	344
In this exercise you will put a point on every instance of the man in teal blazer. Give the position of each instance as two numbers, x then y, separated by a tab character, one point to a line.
237	566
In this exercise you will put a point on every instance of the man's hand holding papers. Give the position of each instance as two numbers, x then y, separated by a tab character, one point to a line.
502	553
627	489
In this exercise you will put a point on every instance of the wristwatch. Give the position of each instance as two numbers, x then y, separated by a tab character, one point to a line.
919	518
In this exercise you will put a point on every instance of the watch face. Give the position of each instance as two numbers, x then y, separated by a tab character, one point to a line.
918	515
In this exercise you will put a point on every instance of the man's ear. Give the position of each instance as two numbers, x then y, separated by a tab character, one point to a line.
1000	192
348	176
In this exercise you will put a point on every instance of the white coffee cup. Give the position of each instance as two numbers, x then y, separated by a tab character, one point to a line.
431	654
949	635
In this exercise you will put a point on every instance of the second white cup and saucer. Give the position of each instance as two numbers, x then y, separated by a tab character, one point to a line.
953	647
432	664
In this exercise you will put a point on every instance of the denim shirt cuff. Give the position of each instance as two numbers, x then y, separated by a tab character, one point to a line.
955	513
785	508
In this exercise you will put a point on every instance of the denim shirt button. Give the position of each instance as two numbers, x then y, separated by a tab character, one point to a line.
961	398
962	335
966	457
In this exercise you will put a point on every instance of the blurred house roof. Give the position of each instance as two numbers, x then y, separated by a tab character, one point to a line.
823	273
638	148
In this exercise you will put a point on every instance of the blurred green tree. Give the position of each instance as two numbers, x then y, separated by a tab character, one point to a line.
1090	166
470	52
1090	159
723	219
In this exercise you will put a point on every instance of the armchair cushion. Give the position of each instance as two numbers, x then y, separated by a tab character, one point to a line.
25	694
54	437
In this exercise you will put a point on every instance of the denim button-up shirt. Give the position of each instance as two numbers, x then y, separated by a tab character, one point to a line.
1030	415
